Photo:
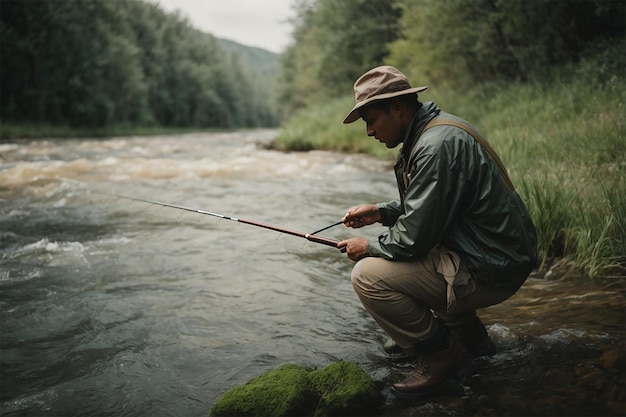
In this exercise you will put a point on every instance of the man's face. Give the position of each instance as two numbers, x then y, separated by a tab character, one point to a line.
384	125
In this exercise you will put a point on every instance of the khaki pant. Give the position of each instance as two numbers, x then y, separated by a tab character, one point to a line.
402	296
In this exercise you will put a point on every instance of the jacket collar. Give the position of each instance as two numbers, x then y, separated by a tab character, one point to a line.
425	113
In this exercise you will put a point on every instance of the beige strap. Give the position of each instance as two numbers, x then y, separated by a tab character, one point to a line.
492	154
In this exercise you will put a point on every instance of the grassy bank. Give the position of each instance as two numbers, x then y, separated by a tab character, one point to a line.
563	141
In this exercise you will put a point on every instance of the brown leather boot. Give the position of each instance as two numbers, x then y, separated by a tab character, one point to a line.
433	370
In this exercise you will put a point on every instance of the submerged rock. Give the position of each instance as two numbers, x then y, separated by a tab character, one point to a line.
342	388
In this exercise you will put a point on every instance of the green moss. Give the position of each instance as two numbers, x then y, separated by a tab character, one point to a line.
339	389
280	392
344	389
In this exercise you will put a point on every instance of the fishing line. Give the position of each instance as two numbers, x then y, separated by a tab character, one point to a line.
327	227
308	236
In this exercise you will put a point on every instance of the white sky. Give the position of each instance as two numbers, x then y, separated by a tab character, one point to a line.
260	23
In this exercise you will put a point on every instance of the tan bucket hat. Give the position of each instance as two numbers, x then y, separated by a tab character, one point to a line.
378	84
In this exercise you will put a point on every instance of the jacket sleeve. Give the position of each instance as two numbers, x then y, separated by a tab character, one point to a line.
431	201
389	212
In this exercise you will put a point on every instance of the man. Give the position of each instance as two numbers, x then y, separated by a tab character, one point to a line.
459	236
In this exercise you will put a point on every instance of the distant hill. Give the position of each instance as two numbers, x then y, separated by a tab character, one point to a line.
258	60
260	66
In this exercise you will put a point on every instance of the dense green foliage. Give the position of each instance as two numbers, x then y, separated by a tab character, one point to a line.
451	42
466	41
99	63
544	80
334	42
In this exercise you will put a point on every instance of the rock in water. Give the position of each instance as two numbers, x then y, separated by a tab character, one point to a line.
341	388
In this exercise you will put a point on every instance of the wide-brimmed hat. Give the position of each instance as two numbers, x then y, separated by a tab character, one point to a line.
378	84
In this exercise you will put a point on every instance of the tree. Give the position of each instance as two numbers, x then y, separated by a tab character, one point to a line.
468	41
97	63
334	42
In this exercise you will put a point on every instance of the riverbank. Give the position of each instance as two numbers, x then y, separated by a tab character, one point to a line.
563	141
15	131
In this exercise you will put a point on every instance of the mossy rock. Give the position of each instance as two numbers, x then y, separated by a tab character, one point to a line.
342	388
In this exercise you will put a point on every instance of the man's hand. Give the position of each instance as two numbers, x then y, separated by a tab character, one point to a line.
361	215
356	248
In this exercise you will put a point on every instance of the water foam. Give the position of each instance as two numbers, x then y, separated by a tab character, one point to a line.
52	253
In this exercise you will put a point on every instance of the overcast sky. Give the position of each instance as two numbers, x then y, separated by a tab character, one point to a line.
261	23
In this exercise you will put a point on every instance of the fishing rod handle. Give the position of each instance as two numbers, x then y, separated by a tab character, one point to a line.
324	241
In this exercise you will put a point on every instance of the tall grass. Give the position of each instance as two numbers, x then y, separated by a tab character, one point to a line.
563	140
320	127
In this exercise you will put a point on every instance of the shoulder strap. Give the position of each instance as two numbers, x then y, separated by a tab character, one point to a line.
492	154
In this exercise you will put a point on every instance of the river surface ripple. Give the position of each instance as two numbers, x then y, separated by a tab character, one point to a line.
111	307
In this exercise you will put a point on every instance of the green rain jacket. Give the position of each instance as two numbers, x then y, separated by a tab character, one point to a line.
456	197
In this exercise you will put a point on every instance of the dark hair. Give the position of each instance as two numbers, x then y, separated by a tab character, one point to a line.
409	100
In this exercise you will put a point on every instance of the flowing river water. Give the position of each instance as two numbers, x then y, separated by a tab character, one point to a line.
111	307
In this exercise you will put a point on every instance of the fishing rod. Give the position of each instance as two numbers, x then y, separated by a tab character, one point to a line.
308	236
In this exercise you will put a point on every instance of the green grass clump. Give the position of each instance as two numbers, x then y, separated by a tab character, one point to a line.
320	127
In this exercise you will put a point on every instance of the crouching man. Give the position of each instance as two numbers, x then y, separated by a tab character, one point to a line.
459	237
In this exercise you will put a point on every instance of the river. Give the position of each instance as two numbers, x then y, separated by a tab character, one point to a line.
112	307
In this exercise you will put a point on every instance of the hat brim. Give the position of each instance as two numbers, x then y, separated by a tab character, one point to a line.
354	113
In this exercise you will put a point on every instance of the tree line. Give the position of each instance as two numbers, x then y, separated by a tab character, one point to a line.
104	62
454	42
100	62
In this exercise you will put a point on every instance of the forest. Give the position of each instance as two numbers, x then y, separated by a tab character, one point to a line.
99	63
111	62
452	43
